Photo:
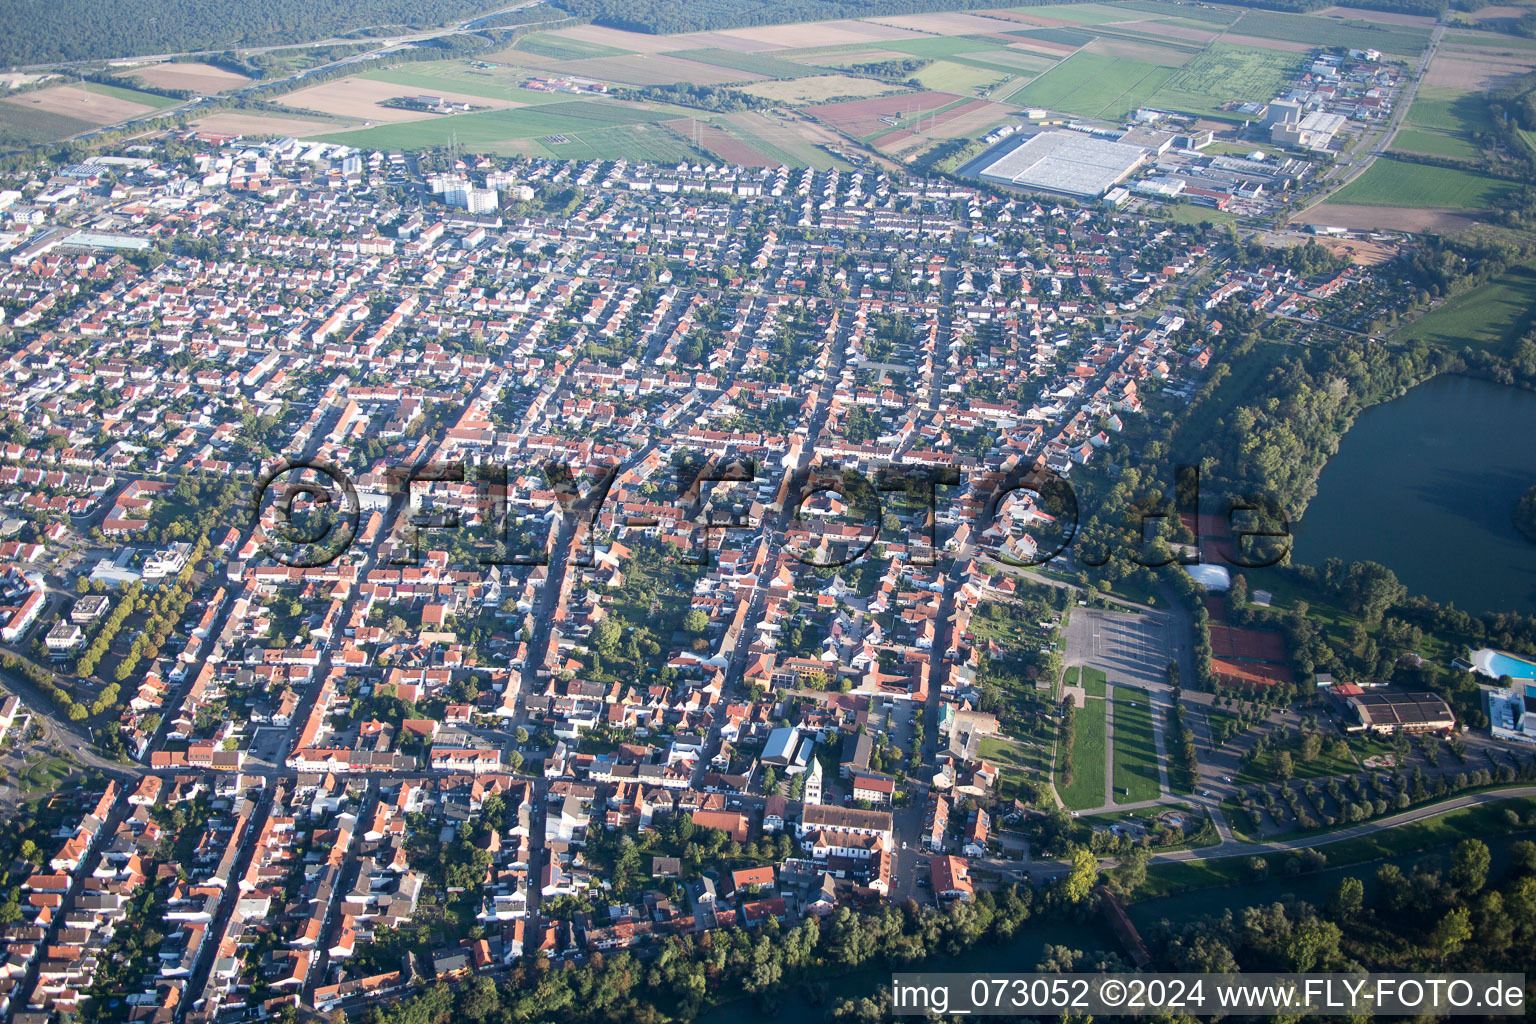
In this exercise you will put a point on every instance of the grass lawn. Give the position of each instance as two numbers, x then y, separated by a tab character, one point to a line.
1398	183
1018	762
1094	682
1494	315
1087	789
1136	776
1263	771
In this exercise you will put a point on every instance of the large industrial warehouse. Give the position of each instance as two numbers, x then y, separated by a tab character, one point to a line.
1069	163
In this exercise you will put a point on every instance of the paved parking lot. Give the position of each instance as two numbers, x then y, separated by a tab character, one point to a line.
1128	647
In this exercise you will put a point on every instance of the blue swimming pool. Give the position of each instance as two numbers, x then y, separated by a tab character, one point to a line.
1515	668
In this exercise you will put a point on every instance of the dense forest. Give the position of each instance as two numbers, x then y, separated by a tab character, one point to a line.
39	32
661	17
36	32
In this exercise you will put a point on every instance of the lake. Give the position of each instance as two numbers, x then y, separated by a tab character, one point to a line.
1424	484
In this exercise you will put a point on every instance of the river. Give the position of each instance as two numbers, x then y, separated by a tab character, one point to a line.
1424	484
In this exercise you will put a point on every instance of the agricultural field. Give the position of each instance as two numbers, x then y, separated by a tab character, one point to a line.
1313	30
362	99
203	78
441	77
949	76
129	95
1454	111
1397	183
546	44
863	119
654	69
1135	749
753	63
1082	70
1421	140
240	122
1223	74
27	126
1494	315
57	112
820	89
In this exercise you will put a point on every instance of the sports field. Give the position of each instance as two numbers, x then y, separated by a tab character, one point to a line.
1397	183
489	128
1135	752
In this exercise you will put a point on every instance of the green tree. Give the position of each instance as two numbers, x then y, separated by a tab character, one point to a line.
1452	933
695	622
1078	885
1347	900
1469	866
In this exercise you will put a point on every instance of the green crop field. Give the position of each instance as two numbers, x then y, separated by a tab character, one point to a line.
1082	14
564	48
1449	110
1225	73
149	99
26	126
1494	315
1088	83
487	128
943	46
1397	183
1422	140
752	63
1064	36
1183	12
1319	31
1136	776
1087	789
944	76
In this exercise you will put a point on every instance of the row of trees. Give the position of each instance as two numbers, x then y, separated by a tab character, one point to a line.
691	972
1442	914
